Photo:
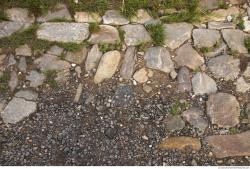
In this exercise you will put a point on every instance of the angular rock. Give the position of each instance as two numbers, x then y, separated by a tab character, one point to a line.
221	14
107	66
2	58
135	35
194	116
12	60
146	88
203	84
141	17
87	17
176	34
20	15
93	58
174	123
224	66
7	28
23	50
187	56
141	76
223	110
159	58
55	50
183	78
128	64
106	34
60	11
246	73
36	79
77	57
181	143
13	81
209	4
221	49
246	24
114	17
206	38
27	95
17	109
235	40
22	66
63	32
78	93
242	86
230	145
2	104
220	25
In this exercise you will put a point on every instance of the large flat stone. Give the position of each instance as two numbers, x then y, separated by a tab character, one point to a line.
176	34
63	32
159	58
114	17
77	57
7	28
235	40
106	34
87	17
220	25
224	66
230	145
107	66
135	35
93	58
187	56
223	110
183	78
181	143
17	109
206	38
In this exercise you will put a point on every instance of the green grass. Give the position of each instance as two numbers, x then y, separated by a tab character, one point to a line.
177	108
4	79
50	76
234	130
240	22
94	27
130	7
121	34
247	43
157	33
3	16
223	5
105	47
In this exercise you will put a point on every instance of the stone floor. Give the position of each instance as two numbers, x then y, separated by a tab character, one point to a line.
186	102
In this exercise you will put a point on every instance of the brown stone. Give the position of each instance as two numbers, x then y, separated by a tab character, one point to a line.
230	145
181	143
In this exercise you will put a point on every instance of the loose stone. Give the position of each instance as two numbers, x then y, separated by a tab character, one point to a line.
242	86
93	58
141	17
223	110
141	76
78	93
13	81
220	25
36	79
77	57
205	38
114	17
174	123
87	17
183	78
23	50
27	95
22	66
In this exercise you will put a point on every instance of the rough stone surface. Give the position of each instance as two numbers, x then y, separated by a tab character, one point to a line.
23	50
78	93
114	17
223	110
141	17
221	14
20	15
36	79
60	11
221	49
17	109
224	66
181	143
187	56
13	81
107	66
159	58
77	57
203	84
176	34
141	76
93	58
174	123
22	66
183	78
235	40
194	116
220	25
246	73
27	95
205	38
106	34
242	86
55	50
230	145
128	64
2	58
87	17
135	35
63	32
209	4
7	28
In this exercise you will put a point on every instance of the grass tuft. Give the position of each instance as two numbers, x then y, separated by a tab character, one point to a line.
234	130
105	47
94	27
177	108
157	33
247	43
50	76
4	79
